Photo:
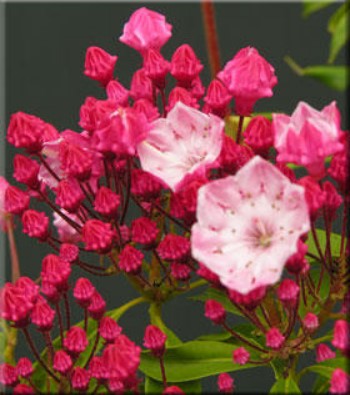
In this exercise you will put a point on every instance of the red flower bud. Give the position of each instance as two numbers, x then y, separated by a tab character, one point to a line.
215	311
26	171
35	224
154	340
16	201
99	65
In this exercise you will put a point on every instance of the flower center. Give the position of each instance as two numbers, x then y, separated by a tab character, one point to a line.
260	233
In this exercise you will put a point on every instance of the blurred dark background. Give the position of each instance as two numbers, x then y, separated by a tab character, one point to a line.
45	51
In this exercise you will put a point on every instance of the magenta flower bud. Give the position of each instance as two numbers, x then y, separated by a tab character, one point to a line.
144	231
42	315
69	195
288	292
87	114
274	338
141	86
8	375
99	65
156	67
332	199
144	185
50	291
75	161
183	95
233	156
26	171
80	379
339	382
174	248
258	134
14	305
215	311
338	168
341	336
313	194
24	367
154	340
55	271
28	287
323	352
97	236
69	252
35	224
121	358
225	383
217	98
310	321
75	340
240	356
146	29
130	260
180	271
250	300
16	201
62	362
185	65
97	306
173	390
106	202
97	369
147	108
116	386
197	88
25	131
83	291
117	93
297	262
23	389
248	77
109	329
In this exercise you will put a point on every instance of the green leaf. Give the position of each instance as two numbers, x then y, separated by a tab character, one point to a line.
156	387
340	36
285	386
335	18
335	77
219	296
326	368
321	385
193	360
322	237
310	7
222	336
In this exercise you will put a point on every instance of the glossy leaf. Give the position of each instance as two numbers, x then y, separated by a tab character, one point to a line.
285	386
335	18
321	235
310	7
340	36
321	385
193	360
156	387
335	77
326	368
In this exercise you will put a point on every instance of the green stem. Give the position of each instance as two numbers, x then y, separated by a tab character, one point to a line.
124	308
293	65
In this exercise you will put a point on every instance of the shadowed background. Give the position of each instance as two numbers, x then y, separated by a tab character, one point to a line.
45	51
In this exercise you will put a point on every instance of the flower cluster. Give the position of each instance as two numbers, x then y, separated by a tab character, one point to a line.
228	208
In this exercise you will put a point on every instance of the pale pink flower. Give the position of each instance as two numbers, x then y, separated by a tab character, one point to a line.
249	225
146	29
66	232
308	136
186	142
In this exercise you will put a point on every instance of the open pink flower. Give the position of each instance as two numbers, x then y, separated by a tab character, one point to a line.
308	136
249	225
187	141
146	29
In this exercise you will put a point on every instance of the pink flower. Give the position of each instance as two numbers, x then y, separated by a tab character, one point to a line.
3	187
308	136
76	340
323	352
99	65
108	329
130	259
215	311
154	340
340	383
185	66
225	383
256	218
248	77
83	291
146	29
62	362
187	141
97	235
274	338
26	171
240	356
66	232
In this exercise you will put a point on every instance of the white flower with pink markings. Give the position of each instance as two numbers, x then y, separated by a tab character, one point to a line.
186	142
248	225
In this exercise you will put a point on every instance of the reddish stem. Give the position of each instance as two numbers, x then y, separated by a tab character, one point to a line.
13	250
211	36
